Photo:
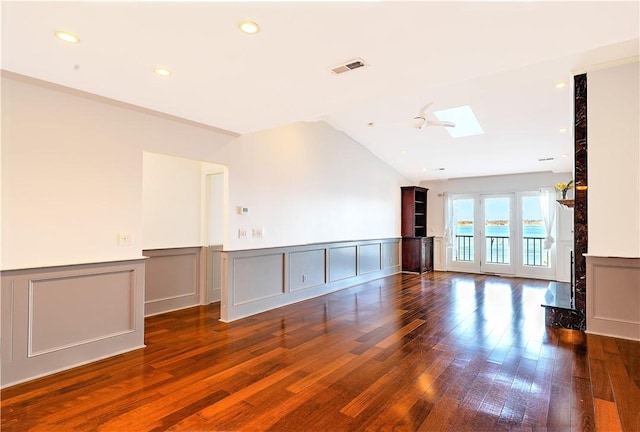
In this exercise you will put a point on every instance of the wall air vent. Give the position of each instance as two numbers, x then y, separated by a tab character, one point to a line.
348	66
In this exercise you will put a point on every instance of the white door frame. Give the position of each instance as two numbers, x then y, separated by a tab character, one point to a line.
211	293
465	266
538	272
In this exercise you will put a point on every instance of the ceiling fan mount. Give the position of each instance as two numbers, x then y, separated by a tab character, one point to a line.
421	120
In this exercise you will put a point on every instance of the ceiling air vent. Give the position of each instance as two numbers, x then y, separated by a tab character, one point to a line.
348	66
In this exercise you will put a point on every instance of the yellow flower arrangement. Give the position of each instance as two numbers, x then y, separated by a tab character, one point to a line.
564	188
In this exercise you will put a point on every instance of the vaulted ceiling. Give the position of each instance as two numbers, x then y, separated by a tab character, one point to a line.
503	59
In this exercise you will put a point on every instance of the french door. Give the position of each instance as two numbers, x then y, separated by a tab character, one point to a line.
497	245
501	233
463	234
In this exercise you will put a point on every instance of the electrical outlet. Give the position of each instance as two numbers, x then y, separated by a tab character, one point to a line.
257	232
242	233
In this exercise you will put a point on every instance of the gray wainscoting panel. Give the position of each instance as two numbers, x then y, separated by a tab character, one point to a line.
62	311
172	279
307	269
56	318
613	296
214	274
342	262
370	257
260	276
390	255
258	280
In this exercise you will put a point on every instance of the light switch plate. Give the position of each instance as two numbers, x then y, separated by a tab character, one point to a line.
125	238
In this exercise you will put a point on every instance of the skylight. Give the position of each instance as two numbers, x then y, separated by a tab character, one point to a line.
466	123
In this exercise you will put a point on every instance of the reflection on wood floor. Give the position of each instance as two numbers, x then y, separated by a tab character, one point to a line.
437	352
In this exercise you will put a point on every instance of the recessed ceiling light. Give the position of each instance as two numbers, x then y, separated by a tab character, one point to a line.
561	84
403	152
565	155
563	130
162	71
249	27
67	37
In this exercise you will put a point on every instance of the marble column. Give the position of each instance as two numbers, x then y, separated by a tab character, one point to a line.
580	239
575	318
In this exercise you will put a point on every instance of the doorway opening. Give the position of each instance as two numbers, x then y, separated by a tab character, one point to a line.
184	216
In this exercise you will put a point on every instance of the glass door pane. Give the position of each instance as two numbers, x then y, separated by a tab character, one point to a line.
497	250
497	226
463	244
533	233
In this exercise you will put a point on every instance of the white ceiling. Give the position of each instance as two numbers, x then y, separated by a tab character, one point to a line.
501	58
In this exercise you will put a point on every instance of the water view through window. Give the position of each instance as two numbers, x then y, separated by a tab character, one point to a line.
463	216
497	230
533	233
497	226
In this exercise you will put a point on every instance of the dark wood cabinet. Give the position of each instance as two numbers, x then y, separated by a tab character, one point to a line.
417	248
417	254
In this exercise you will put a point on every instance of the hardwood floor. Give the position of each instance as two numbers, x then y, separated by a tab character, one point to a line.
437	352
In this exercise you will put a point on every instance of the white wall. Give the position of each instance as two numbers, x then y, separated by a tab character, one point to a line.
216	210
171	206
482	185
72	178
72	173
614	161
172	201
308	183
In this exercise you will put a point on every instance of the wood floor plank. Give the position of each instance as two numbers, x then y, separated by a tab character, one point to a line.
236	414
441	416
559	413
360	402
437	352
268	417
324	371
600	382
406	412
514	408
398	335
609	345
607	418
582	409
312	414
470	405
462	383
625	392
537	409
145	417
